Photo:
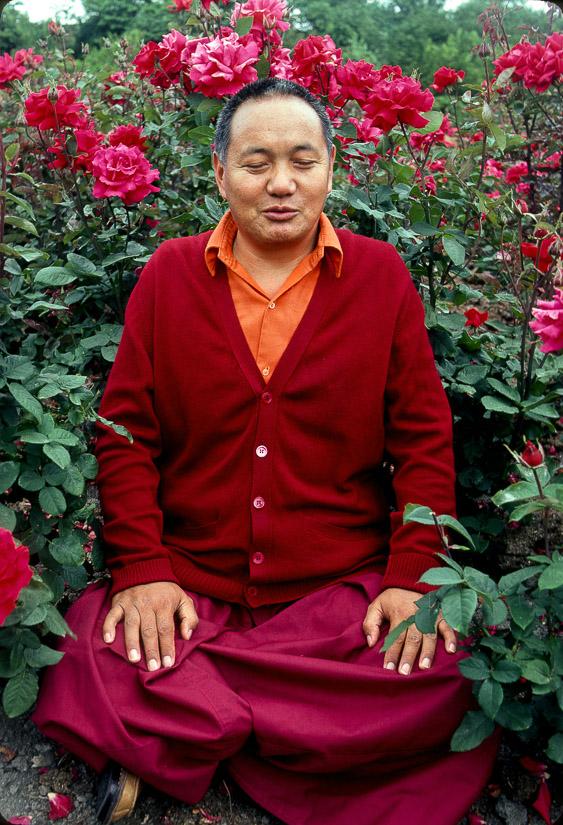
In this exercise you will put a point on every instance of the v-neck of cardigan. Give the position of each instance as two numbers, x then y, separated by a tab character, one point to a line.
298	341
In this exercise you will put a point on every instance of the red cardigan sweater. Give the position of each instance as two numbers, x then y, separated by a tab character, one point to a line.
258	493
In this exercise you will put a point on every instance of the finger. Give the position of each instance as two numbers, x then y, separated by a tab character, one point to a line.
450	639
428	650
149	636
187	618
413	640
373	622
393	654
165	630
114	616
131	622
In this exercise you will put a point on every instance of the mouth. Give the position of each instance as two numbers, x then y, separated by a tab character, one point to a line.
280	213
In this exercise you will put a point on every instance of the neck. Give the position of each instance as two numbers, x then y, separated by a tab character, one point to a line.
270	265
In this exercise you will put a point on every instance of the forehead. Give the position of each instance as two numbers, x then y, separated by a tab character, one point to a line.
275	122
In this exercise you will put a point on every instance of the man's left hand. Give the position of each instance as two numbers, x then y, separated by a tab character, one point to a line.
394	605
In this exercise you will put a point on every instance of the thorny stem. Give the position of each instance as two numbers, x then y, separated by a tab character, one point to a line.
3	184
442	534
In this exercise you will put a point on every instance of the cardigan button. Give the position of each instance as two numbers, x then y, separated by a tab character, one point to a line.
261	451
258	502
267	397
258	557
252	591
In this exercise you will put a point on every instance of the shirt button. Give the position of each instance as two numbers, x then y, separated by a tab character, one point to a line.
266	371
258	558
267	397
259	502
272	305
252	591
261	451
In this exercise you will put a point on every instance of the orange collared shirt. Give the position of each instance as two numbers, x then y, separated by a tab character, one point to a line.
269	321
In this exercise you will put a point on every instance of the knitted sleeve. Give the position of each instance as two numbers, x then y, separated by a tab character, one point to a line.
418	441
128	476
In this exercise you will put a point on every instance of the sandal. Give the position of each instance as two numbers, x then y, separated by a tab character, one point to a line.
117	794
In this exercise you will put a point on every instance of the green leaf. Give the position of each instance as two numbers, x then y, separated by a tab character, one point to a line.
42	656
524	510
441	575
54	276
74	481
494	613
474	667
52	501
417	513
498	135
424	229
475	727
8	474
62	436
480	581
33	437
27	401
505	389
514	716
505	671
458	607
203	135
516	492
30	480
522	612
454	250
396	632
55	623
490	697
35	616
54	475
80	264
472	374
8	519
457	526
555	747
434	118
58	454
535	670
20	693
117	428
552	576
243	25
492	402
88	465
425	619
67	550
21	223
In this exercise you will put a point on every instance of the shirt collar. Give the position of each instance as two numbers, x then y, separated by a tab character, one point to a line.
220	244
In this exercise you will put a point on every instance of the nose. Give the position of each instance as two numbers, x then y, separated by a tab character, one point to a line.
281	181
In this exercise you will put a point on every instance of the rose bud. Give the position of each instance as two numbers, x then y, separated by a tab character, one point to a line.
532	455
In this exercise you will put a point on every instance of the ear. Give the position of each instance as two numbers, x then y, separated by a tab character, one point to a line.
331	168
219	170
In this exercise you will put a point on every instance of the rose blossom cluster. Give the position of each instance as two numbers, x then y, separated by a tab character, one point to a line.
548	322
18	66
15	572
445	76
120	168
537	65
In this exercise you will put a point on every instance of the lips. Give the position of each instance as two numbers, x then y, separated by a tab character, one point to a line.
280	213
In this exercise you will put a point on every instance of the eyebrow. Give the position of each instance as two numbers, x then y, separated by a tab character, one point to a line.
260	150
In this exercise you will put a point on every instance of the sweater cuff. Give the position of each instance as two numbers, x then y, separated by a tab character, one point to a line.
142	572
404	570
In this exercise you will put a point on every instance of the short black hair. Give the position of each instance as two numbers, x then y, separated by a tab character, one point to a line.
267	87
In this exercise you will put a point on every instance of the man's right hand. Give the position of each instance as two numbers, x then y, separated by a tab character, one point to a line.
148	613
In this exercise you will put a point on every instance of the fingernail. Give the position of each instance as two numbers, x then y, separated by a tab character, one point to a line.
153	664
108	637
405	668
134	655
390	666
425	662
167	661
189	633
451	647
369	640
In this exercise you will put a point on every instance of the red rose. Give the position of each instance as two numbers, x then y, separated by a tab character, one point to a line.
539	253
169	54
223	65
548	322
15	572
418	141
400	100
357	79
515	172
181	5
9	70
531	455
129	135
55	108
475	318
446	77
315	60
123	172
145	63
87	143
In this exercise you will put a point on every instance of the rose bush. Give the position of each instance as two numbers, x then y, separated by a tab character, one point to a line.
466	184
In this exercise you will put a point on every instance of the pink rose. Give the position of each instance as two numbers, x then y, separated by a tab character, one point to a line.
315	60
87	143
129	135
55	108
15	572
223	65
418	141
400	100
357	80
267	14
181	5
26	58
169	53
123	172
548	323
514	173
10	70
446	77
280	63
